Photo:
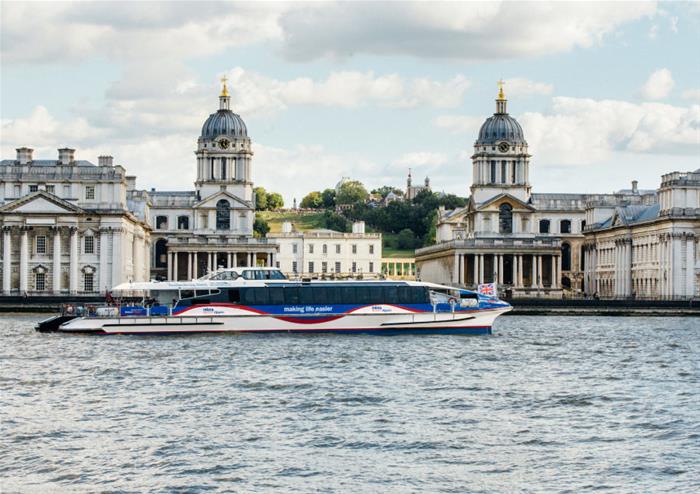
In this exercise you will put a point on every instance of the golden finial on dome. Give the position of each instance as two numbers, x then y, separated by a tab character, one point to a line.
501	95
224	89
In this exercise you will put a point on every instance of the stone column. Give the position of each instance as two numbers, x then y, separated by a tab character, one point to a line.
455	269
521	282
481	268
57	261
73	278
117	264
514	274
170	266
475	273
269	260
690	265
500	269
102	276
235	259
24	260
7	260
228	260
554	272
533	271
210	261
189	266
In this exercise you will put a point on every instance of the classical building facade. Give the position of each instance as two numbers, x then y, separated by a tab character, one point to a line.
69	226
530	244
198	231
646	250
327	253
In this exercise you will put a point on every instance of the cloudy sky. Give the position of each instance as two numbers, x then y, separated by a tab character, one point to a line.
606	92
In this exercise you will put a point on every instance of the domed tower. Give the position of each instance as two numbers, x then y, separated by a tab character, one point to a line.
501	161
224	152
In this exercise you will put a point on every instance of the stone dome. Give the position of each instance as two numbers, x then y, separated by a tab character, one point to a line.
501	127
224	122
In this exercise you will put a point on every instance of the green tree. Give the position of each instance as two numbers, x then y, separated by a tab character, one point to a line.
312	200
328	197
260	227
260	198
334	221
351	192
406	239
386	189
274	201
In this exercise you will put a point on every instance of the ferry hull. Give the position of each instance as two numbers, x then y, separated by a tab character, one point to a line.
462	323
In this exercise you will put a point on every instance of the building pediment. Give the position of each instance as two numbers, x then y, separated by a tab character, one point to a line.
41	202
495	202
209	202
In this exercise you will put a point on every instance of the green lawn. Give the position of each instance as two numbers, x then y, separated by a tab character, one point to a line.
301	221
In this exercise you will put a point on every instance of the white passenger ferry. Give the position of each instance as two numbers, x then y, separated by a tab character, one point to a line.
263	300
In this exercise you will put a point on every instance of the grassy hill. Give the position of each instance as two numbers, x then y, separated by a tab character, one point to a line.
310	220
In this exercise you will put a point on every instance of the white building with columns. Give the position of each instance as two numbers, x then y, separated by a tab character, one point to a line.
323	253
68	226
210	227
647	251
537	245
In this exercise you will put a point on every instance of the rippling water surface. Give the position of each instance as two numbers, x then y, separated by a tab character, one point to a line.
545	404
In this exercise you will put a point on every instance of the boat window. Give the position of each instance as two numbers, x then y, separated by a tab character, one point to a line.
335	295
201	293
277	275
234	295
363	295
349	295
261	296
248	275
186	294
259	274
391	295
225	276
276	295
291	295
306	295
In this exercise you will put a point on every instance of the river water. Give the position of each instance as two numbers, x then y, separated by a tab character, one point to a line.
546	404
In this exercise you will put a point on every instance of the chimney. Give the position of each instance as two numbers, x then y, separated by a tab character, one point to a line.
24	155
105	160
358	227
635	190
66	156
287	227
130	179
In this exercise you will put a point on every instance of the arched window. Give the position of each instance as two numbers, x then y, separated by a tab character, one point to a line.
544	226
183	222
565	257
161	222
505	218
565	226
223	215
161	253
583	225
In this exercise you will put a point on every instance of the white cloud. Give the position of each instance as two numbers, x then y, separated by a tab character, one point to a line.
584	131
519	86
658	86
172	32
692	94
653	32
459	124
451	29
421	158
347	89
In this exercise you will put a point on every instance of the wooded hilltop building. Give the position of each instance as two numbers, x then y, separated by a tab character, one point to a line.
543	245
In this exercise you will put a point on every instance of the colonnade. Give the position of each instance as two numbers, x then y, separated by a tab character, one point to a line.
399	268
194	259
50	262
525	271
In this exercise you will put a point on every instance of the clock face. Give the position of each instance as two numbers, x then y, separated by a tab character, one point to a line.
224	143
503	147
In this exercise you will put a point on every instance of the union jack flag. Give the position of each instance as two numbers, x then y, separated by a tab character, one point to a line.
488	289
